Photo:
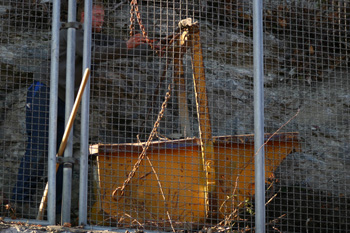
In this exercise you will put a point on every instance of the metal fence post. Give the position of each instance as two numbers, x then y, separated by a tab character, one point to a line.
67	168
84	136
259	116
53	112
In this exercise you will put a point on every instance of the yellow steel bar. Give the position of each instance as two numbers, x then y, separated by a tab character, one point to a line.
206	141
62	147
200	88
180	89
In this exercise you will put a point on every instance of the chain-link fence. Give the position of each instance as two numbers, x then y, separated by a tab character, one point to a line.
171	114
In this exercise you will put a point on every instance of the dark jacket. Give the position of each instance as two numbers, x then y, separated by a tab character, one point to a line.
103	48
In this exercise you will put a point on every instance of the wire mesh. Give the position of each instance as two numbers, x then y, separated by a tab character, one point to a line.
164	131
171	118
25	41
307	66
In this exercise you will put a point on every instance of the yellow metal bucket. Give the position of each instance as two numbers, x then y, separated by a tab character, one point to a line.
170	187
182	182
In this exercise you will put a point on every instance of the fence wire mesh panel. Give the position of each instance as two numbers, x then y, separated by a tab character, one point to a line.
171	113
24	95
172	121
177	182
306	75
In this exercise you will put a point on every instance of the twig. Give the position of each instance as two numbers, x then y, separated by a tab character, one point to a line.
277	219
273	197
160	188
307	224
133	219
235	211
119	4
233	193
143	153
279	129
265	143
276	229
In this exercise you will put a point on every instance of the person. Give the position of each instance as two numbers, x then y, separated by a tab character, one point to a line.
31	169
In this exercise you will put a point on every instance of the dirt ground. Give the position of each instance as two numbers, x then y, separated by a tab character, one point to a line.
13	227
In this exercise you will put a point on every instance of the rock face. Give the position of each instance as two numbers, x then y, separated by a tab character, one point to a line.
123	101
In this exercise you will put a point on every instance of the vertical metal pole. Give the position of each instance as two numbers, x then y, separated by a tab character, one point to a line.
51	209
84	131
70	78
259	117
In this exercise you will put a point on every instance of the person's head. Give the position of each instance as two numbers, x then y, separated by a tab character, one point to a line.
98	14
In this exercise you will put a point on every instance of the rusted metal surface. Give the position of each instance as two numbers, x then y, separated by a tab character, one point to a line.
180	89
177	164
183	181
229	140
207	150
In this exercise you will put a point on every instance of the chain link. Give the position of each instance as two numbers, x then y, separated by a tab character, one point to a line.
132	19
119	191
134	9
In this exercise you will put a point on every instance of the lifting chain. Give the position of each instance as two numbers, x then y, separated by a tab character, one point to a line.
167	41
134	10
119	191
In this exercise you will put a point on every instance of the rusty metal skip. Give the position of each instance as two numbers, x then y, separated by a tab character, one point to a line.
194	187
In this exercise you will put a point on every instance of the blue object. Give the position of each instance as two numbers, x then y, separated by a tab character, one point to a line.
31	170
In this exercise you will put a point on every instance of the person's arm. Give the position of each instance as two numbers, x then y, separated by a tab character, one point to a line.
135	46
